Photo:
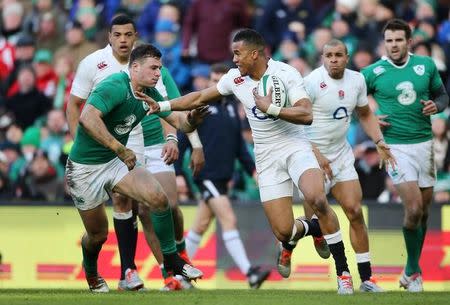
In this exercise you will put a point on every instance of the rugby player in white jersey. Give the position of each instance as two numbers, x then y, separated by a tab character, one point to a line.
91	71
335	93
283	154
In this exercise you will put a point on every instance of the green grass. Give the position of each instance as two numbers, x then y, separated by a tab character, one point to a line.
216	297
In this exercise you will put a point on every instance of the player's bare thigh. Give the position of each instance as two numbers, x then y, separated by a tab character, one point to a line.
141	185
349	195
169	185
280	216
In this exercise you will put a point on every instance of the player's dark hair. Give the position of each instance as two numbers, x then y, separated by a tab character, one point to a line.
250	37
121	19
220	68
398	25
144	51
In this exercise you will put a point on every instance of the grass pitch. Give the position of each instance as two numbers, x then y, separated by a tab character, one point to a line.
216	297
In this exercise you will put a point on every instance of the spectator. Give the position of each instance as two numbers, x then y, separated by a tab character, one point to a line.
45	74
168	42
6	58
288	48
12	18
28	104
279	14
40	180
24	53
216	20
65	72
76	46
49	36
362	58
371	177
200	77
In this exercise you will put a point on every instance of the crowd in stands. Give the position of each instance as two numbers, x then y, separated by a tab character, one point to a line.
43	41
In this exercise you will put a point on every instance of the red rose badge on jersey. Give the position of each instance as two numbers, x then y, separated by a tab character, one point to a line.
341	94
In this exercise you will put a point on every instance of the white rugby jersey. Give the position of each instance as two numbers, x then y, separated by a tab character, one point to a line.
93	69
266	129
333	104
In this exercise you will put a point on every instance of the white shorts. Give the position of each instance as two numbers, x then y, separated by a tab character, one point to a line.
90	184
136	143
153	161
343	168
415	162
280	165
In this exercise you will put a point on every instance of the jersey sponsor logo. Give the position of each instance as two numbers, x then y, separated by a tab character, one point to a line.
341	94
340	113
322	85
238	80
126	127
419	69
408	95
102	65
378	70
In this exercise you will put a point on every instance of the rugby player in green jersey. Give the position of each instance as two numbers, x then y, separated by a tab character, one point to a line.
99	163
408	89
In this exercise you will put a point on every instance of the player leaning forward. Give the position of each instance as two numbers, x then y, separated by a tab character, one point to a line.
283	154
99	163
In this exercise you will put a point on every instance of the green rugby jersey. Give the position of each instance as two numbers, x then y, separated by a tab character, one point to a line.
398	92
121	110
151	125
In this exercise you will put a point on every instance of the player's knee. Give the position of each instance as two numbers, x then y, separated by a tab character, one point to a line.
283	233
319	204
158	200
121	203
413	216
144	213
99	238
354	213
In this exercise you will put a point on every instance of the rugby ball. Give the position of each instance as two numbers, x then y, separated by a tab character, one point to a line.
279	95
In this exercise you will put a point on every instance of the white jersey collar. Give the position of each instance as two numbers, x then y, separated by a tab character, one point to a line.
384	57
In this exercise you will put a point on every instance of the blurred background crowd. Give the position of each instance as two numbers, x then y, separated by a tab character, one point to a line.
43	41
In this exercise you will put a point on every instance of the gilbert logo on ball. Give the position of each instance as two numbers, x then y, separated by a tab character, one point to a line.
279	97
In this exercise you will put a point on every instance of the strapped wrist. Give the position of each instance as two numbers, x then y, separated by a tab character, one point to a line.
164	106
172	137
273	110
195	140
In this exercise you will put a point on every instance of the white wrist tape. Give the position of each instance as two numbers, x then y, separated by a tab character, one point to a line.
164	106
273	110
195	140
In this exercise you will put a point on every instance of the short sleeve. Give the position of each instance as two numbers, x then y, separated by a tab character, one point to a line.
369	88
309	87
224	86
107	96
295	86
362	91
83	82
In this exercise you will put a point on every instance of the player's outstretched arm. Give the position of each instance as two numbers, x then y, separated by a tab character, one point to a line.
300	113
187	122
73	113
195	99
91	121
